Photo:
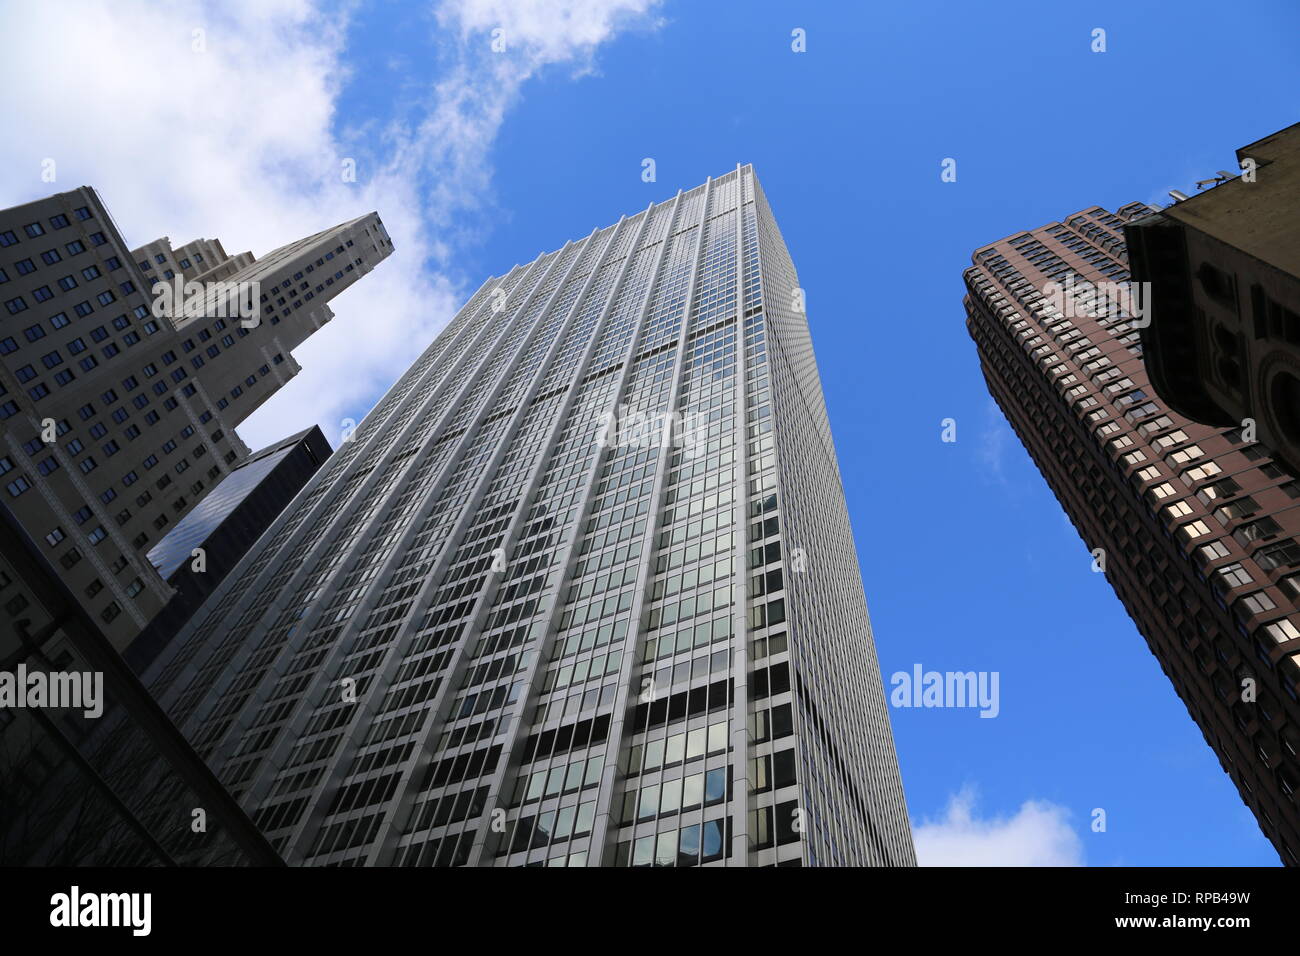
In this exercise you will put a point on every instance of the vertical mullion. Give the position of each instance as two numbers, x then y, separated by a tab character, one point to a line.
516	721
614	744
454	667
431	499
593	471
302	710
180	683
740	801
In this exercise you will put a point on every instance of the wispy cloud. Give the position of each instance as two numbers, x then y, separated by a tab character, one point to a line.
1038	834
221	120
994	438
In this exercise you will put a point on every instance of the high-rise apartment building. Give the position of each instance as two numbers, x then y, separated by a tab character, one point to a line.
1194	526
580	590
118	405
1223	344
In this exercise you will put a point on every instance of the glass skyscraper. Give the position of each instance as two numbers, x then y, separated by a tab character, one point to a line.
580	590
192	530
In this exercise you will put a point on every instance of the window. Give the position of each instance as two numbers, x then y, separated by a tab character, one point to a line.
1257	603
1234	575
1163	490
1278	555
1195	529
1264	527
1185	455
1282	631
1205	470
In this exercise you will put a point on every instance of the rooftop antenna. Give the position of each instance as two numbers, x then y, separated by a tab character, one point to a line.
1219	177
1178	197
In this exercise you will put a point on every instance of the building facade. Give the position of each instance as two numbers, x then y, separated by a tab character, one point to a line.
117	417
82	775
580	590
1223	345
1194	526
205	545
118	406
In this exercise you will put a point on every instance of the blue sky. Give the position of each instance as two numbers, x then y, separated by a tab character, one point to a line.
968	560
479	161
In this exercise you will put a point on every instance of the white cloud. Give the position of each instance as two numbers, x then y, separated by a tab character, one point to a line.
240	141
1038	834
995	438
545	31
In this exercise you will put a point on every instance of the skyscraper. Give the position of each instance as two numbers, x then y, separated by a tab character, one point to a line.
123	374
1194	526
208	542
580	590
117	404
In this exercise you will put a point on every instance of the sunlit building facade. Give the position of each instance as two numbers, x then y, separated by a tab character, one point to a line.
119	400
580	590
